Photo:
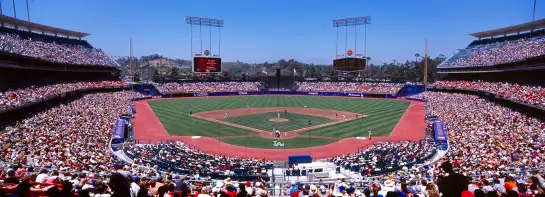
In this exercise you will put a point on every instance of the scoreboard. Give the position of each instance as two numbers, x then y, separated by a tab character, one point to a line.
206	64
349	64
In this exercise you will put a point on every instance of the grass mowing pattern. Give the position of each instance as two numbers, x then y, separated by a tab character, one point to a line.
298	142
383	115
261	121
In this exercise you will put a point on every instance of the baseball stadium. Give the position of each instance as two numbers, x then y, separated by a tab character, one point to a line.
78	120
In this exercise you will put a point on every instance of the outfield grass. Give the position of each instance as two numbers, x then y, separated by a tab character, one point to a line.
261	121
383	115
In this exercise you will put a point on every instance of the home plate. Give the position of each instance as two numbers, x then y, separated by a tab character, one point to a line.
361	138
195	137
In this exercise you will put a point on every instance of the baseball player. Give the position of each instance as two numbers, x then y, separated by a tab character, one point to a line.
336	115
190	112
344	117
369	133
226	115
305	107
279	114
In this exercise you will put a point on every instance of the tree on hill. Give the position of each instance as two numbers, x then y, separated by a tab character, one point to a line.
406	71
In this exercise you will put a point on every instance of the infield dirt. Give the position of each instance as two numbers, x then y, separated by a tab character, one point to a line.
335	115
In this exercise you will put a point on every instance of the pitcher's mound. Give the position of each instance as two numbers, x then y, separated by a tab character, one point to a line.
278	120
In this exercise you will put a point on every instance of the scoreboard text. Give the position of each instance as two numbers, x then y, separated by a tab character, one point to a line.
349	64
206	64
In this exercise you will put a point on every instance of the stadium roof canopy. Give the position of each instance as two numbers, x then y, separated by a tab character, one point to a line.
530	26
22	24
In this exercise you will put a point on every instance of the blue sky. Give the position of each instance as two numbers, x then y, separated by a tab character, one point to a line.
263	30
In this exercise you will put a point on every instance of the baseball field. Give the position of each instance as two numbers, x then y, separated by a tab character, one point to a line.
303	121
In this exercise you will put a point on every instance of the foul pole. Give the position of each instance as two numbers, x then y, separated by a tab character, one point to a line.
426	64
130	62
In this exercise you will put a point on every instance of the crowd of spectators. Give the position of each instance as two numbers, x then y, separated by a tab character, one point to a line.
376	88
387	157
534	95
58	52
486	139
183	160
68	142
72	136
18	97
63	151
497	53
208	87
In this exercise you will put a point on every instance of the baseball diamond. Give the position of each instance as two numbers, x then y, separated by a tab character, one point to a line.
217	124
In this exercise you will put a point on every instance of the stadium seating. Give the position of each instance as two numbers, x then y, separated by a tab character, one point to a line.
487	139
51	48
497	51
207	87
10	98
383	158
70	142
375	88
534	95
183	160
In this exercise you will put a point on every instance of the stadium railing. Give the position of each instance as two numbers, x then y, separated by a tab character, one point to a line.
161	141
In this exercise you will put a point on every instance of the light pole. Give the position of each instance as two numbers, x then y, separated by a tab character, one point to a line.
27	11
365	20
534	13
14	11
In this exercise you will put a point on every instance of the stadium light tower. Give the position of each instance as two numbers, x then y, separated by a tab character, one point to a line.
358	21
346	22
206	61
207	22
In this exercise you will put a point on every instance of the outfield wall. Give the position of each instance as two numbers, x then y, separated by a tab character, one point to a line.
242	93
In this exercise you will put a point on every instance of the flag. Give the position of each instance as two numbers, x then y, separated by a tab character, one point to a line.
294	72
264	71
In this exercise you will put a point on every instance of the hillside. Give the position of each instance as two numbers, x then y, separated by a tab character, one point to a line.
154	65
